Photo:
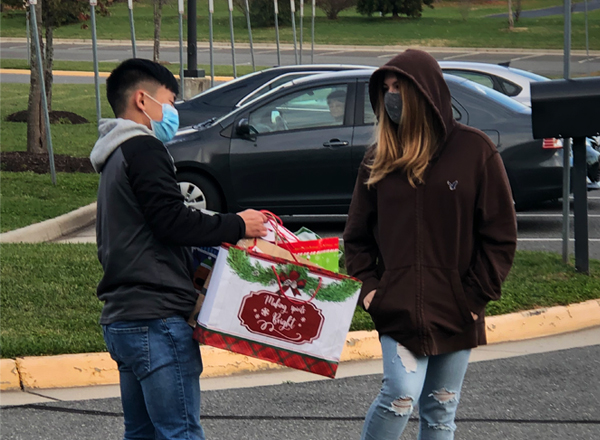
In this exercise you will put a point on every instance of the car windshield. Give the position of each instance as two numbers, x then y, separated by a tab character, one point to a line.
498	97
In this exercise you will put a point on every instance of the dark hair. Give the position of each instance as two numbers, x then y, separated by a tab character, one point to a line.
129	74
336	95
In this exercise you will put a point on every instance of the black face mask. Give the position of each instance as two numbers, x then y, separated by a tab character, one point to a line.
393	106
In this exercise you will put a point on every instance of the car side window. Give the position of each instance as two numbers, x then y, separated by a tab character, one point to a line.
479	78
273	85
369	116
316	107
511	89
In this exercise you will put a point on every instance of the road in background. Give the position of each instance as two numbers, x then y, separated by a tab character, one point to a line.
549	64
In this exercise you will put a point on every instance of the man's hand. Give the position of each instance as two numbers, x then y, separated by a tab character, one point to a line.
475	317
255	223
368	299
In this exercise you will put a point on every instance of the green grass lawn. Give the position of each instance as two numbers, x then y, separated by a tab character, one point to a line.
441	26
49	303
29	198
73	140
88	66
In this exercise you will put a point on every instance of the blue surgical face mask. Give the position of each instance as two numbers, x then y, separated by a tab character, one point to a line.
165	129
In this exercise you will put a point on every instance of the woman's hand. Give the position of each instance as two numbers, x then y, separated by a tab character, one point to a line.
368	299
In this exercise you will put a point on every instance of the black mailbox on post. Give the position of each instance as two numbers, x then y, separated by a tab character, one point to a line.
565	108
570	109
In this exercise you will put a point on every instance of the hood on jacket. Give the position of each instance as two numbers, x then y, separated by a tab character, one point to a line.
425	73
113	132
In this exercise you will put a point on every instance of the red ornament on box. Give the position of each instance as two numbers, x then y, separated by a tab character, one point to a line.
277	316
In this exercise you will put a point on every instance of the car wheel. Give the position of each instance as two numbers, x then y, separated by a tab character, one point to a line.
199	192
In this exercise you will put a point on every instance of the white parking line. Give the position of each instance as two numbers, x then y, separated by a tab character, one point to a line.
387	55
553	239
460	55
589	60
525	57
262	52
337	52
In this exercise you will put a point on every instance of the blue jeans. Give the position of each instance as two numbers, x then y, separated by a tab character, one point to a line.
159	367
432	381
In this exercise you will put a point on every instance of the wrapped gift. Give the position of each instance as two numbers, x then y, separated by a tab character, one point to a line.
323	252
277	310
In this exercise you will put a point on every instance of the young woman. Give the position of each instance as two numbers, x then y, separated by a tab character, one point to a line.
431	233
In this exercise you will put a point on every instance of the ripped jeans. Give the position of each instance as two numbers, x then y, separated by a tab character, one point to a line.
432	381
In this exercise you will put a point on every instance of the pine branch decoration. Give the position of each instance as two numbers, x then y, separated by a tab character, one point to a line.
255	273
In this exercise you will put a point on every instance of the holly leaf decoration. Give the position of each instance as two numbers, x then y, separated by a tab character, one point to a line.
338	291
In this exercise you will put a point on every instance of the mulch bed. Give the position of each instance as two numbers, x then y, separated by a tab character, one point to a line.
56	117
18	161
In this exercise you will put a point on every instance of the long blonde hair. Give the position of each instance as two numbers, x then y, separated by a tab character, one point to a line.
411	146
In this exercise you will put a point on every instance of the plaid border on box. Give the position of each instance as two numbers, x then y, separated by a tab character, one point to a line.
265	352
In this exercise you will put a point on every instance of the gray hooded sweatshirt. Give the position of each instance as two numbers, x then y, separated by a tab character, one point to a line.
144	229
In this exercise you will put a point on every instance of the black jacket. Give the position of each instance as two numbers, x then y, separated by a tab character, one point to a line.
144	229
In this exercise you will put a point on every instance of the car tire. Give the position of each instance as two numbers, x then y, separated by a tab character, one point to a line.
200	192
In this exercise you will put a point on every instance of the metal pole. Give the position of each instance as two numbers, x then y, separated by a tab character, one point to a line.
28	42
312	32
232	38
181	73
250	36
301	27
293	12
587	39
192	49
93	4
566	205
582	263
132	27
276	6
38	51
211	11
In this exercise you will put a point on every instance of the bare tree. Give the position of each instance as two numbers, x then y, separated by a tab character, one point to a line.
511	20
36	141
158	4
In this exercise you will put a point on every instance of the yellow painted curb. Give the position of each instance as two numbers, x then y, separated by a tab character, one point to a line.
86	74
9	375
543	322
68	370
99	369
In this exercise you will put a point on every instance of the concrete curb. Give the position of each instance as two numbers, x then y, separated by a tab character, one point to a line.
285	46
54	228
84	74
78	370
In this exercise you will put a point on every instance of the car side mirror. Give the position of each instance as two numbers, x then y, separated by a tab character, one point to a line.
242	128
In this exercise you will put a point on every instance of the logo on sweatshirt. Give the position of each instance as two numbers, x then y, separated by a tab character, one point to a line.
452	185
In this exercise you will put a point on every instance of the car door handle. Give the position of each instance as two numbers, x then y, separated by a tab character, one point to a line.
334	143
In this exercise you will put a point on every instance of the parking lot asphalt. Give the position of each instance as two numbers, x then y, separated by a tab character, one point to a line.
545	395
539	229
548	63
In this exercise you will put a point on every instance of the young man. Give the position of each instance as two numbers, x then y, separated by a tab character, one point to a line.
143	230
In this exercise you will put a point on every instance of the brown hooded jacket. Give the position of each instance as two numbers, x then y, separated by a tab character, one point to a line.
437	252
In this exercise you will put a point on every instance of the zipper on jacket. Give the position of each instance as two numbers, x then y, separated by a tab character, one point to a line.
421	331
